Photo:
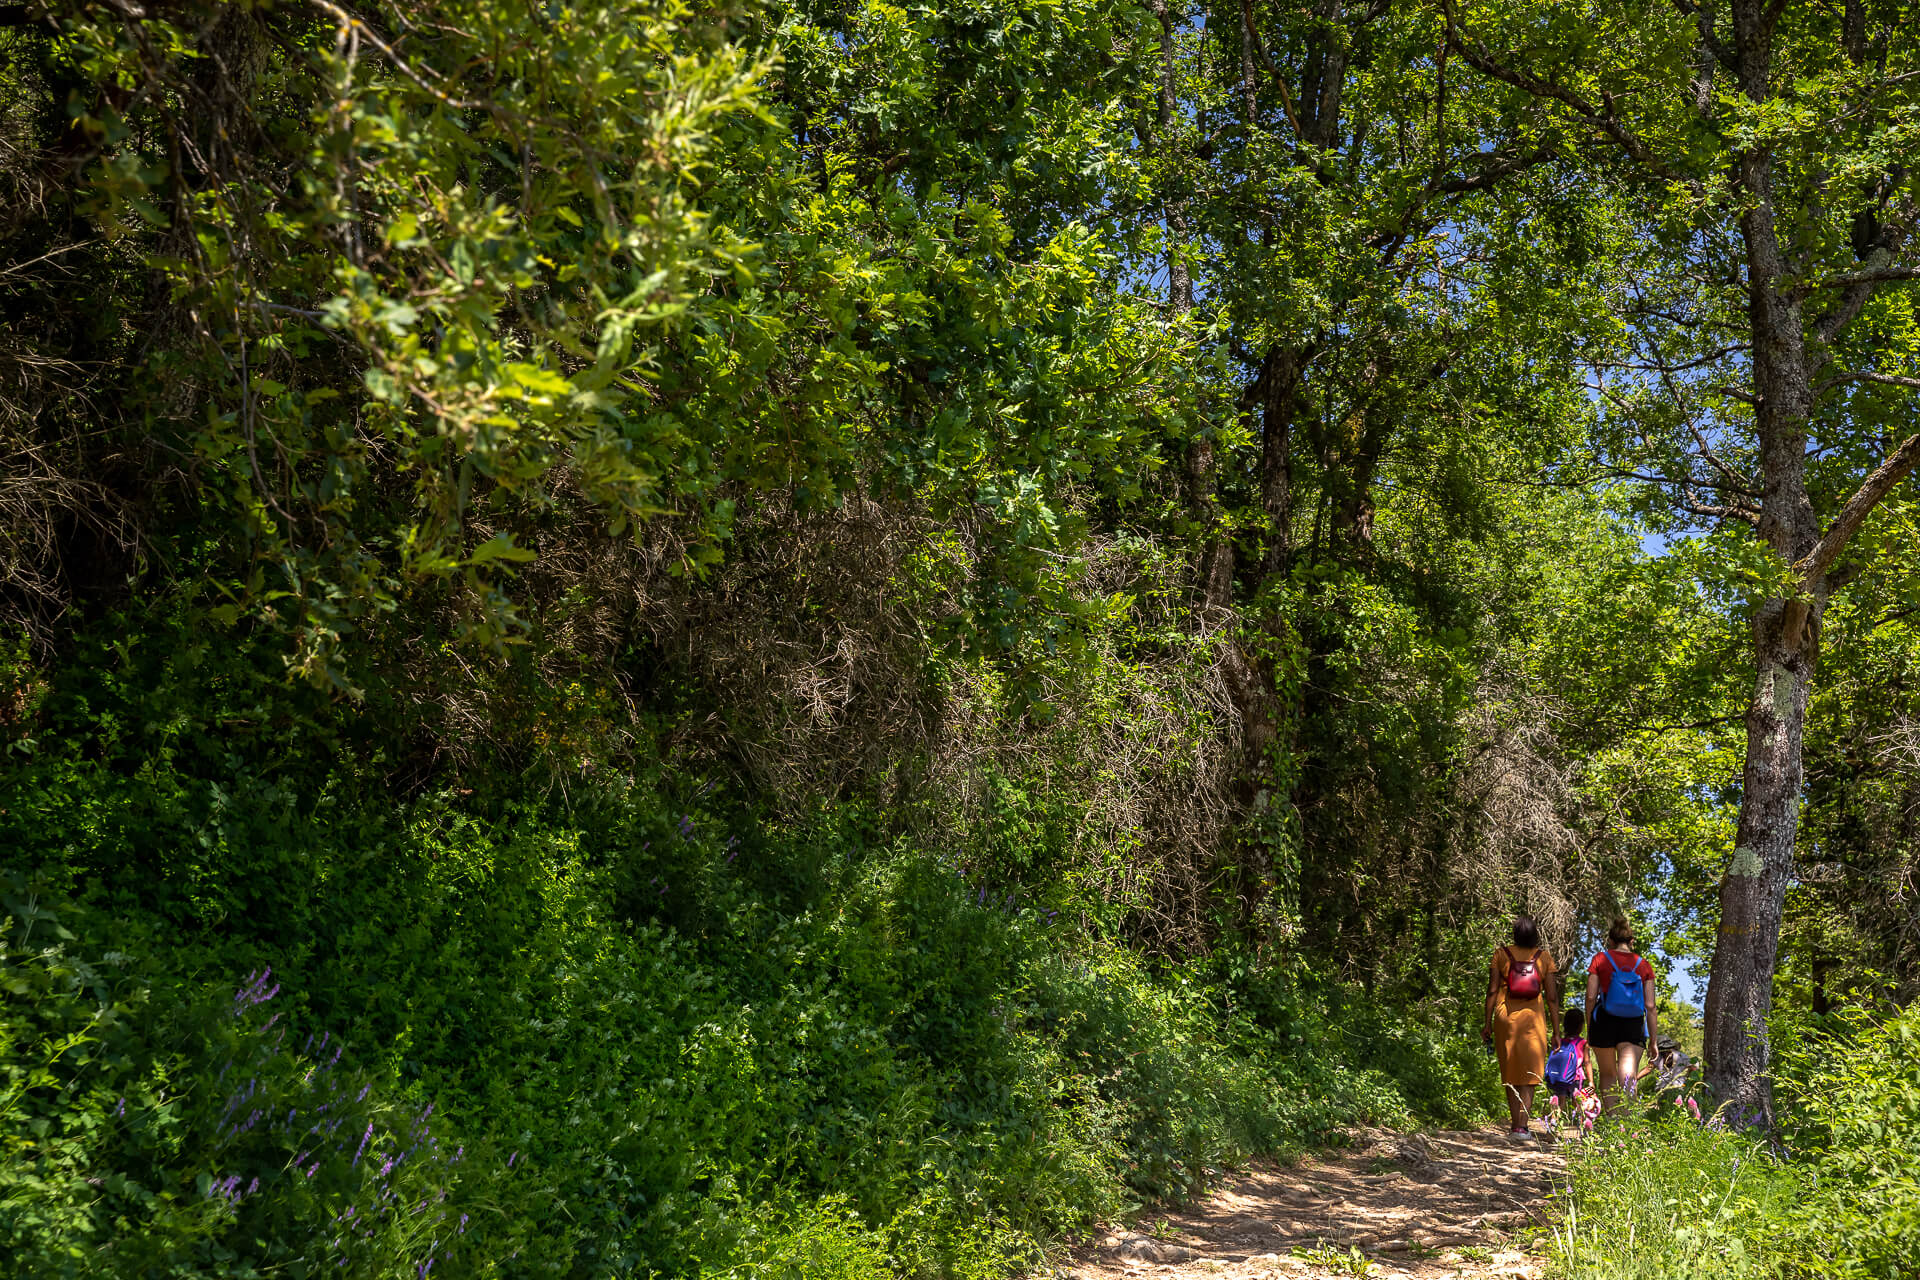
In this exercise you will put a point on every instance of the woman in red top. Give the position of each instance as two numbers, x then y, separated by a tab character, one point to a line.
1619	1035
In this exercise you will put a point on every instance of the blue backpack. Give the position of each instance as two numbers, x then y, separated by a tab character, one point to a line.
1625	997
1563	1064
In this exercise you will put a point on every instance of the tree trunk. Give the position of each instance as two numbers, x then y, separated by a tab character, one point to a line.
1263	790
1753	890
1279	386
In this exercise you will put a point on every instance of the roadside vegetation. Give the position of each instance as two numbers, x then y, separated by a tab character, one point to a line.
832	639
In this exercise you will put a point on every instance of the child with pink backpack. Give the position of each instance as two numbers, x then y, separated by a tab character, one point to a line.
1571	1071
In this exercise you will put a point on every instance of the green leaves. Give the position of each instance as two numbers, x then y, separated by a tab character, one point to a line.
422	259
434	289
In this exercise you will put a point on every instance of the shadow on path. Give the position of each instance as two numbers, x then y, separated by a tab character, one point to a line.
1422	1205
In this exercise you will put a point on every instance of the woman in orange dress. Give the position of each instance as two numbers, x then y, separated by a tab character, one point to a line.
1523	1003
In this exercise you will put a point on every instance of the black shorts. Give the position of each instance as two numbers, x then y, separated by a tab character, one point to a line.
1610	1030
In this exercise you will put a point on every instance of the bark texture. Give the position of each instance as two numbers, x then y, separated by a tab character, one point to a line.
1753	889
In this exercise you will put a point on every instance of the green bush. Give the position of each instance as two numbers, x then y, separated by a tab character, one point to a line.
663	1031
1853	1114
660	1027
139	1137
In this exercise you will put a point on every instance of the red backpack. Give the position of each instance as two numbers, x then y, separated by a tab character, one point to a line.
1523	976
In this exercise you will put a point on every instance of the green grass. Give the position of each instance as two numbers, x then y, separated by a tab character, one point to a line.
1664	1199
1658	1196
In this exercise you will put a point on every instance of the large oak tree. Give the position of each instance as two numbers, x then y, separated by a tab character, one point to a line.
1762	379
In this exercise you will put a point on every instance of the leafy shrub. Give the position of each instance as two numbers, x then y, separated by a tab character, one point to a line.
671	1033
1672	1198
137	1144
822	1240
1853	1113
670	1026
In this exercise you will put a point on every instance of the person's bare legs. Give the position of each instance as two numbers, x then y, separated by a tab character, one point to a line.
1604	1061
1519	1107
1627	1064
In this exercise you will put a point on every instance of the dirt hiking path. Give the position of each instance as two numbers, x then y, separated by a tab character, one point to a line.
1418	1205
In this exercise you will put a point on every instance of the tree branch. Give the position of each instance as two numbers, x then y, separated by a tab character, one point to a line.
1493	173
1876	486
1872	275
1688	484
1703	19
1693	506
1663	367
1266	60
1599	117
1884	379
1858	286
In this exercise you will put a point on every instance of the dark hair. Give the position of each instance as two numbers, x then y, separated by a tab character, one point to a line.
1525	932
1573	1021
1620	933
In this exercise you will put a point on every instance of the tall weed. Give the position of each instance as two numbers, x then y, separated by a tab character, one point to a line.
1665	1199
1852	1111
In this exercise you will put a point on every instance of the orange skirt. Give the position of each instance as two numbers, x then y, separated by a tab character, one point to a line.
1521	1040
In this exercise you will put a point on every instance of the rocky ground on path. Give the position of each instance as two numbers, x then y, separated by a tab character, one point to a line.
1413	1205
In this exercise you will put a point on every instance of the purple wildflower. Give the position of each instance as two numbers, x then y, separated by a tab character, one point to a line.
364	1139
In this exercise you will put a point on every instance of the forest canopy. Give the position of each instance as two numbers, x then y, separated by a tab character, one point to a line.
694	593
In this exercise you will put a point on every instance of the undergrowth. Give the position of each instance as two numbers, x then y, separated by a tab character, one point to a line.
1666	1198
1658	1195
261	1017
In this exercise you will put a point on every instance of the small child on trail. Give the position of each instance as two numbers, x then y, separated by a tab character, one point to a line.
1571	1071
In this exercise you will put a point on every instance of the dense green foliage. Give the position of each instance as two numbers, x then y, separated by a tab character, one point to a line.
834	639
1658	1195
699	1038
